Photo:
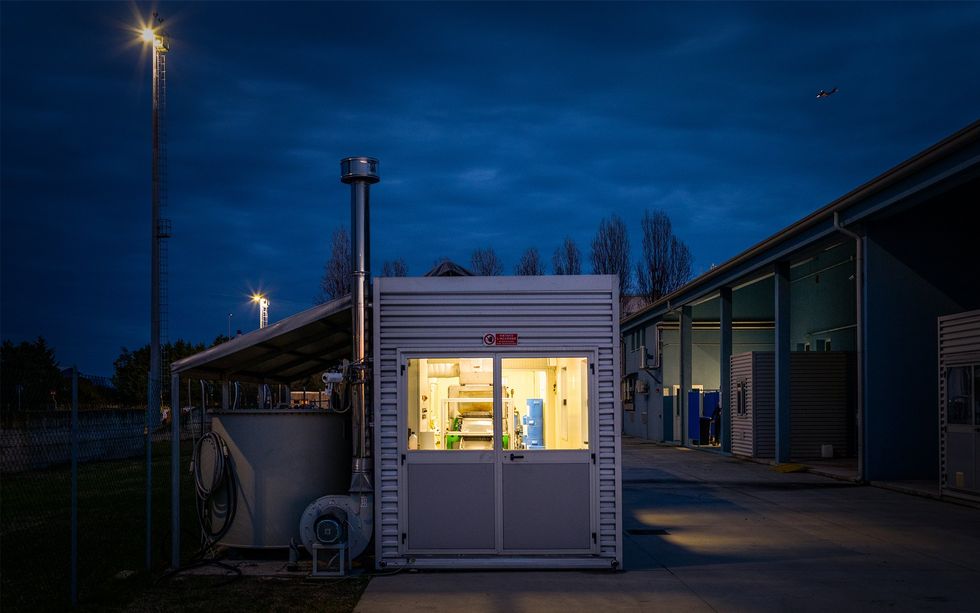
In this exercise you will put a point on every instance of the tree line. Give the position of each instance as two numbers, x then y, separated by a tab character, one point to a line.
30	374
665	263
31	379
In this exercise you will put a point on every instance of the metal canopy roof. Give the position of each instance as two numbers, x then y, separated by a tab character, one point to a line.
284	352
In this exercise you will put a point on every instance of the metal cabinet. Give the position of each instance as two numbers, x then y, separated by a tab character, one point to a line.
959	404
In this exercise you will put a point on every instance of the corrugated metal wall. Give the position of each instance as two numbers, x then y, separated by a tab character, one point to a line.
762	399
959	344
754	433
822	403
453	313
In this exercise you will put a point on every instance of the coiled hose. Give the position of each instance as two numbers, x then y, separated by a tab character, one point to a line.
210	502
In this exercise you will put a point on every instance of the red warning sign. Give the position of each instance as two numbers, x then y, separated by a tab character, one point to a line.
500	339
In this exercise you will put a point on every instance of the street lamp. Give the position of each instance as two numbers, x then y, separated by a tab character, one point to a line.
159	232
160	227
263	302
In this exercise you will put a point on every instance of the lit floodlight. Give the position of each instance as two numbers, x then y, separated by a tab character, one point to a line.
148	35
263	302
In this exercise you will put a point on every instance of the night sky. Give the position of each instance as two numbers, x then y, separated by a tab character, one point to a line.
504	125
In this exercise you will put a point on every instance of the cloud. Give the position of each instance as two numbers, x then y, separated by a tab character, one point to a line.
511	125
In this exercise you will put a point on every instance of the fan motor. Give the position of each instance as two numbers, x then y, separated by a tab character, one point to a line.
329	528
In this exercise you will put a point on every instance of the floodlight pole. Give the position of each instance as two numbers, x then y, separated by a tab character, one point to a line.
263	312
263	302
160	228
159	232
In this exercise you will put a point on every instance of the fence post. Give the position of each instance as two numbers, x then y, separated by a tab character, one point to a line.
175	470
148	433
74	486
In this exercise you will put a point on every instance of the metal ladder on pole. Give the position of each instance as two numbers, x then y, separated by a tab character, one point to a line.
164	229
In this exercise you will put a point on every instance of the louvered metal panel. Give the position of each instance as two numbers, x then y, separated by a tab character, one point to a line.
958	338
569	313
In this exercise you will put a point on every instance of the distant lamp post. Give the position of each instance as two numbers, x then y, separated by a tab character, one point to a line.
260	299
229	326
263	302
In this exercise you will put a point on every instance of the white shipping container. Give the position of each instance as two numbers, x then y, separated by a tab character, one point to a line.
496	422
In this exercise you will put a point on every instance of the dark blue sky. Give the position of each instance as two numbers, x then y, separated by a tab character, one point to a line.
508	125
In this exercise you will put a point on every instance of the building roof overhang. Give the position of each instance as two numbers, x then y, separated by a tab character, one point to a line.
949	163
287	351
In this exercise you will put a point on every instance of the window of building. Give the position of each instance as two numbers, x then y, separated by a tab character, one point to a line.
741	407
450	404
629	392
976	395
546	403
958	409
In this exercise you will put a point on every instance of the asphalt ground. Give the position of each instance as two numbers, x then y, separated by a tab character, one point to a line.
707	532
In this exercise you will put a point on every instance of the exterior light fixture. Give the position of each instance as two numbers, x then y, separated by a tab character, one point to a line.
263	302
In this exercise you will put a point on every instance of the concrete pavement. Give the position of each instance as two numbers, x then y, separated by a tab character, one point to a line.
730	535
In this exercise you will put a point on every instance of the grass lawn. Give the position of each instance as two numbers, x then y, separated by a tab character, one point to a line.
35	530
35	547
217	595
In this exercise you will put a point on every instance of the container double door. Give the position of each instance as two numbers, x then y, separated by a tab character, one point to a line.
497	456
962	408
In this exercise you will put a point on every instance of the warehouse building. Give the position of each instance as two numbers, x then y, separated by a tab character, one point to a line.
821	341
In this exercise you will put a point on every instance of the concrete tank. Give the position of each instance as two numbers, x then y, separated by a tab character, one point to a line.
283	460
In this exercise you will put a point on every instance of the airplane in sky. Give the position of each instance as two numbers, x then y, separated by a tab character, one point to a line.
824	93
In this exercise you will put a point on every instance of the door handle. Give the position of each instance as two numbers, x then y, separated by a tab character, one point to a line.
516	456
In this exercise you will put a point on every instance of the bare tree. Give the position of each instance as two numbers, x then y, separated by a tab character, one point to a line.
395	268
486	263
567	259
530	264
337	271
666	264
611	252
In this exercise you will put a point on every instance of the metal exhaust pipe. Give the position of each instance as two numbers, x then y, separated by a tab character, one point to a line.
360	173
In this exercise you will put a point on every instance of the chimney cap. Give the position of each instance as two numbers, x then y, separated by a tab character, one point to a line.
359	169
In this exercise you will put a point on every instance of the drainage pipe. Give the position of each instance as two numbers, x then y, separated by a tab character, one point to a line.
859	305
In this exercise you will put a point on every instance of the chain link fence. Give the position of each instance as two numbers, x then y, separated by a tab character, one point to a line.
85	492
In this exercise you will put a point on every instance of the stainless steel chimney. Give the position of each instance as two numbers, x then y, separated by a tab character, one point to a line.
360	173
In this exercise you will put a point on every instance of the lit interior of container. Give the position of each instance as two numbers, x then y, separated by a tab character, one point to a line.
544	402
